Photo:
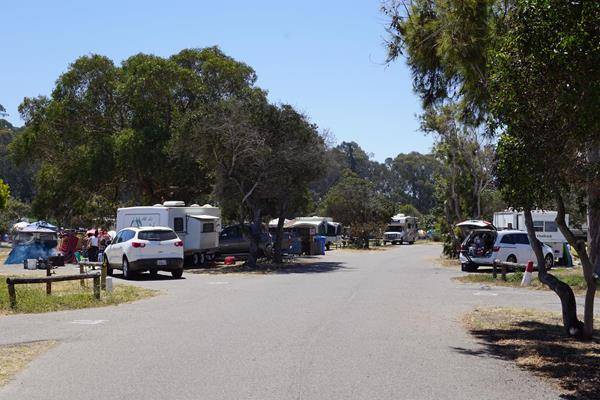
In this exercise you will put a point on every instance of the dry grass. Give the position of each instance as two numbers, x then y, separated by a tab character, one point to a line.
66	296
445	262
536	342
571	276
15	357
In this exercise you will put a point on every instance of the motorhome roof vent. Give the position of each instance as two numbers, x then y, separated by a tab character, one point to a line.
195	205
174	203
157	205
208	206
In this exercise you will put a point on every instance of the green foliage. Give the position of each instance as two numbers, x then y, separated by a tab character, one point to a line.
446	43
546	93
4	194
19	179
354	202
14	212
409	209
105	136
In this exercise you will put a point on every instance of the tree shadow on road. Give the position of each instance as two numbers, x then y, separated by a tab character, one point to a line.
541	347
291	267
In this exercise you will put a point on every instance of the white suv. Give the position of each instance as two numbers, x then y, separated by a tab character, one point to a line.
145	249
483	246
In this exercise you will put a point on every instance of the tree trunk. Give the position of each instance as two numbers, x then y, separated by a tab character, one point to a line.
593	219
255	230
278	251
572	325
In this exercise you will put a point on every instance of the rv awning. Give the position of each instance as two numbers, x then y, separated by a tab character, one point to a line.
204	217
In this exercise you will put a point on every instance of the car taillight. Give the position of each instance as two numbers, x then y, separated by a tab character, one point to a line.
463	247
179	243
496	249
138	244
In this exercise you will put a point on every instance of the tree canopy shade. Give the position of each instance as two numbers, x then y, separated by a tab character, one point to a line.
104	136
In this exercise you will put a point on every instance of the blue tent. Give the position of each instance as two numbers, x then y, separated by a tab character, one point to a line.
42	244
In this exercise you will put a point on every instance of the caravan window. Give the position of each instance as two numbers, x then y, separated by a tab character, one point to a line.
550	226
208	227
178	224
538	226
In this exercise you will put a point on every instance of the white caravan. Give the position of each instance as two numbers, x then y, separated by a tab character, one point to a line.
544	224
197	226
401	229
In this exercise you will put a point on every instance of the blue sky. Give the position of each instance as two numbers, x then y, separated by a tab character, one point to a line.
324	57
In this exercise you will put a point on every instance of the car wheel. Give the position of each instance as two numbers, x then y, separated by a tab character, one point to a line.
512	258
177	273
549	261
411	242
126	271
196	259
109	270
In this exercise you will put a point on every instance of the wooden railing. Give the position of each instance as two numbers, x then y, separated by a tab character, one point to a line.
48	280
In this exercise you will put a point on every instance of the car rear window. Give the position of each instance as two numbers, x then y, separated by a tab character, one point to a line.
157	236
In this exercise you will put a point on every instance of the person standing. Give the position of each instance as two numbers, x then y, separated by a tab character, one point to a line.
93	249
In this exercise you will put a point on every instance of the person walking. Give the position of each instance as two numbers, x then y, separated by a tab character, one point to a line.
93	249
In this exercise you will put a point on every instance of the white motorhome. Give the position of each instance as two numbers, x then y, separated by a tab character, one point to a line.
544	224
197	226
402	228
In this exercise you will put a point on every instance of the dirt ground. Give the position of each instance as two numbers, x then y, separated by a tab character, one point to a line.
536	342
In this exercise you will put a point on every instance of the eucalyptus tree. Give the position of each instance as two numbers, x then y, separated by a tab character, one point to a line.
545	93
104	137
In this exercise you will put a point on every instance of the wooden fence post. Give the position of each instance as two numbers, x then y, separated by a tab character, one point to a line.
103	272
495	269
81	272
48	284
97	287
12	294
503	270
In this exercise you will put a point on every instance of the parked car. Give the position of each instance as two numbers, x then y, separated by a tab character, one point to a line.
153	249
235	240
483	246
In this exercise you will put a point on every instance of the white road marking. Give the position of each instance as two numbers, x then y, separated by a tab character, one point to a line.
485	294
218	283
88	321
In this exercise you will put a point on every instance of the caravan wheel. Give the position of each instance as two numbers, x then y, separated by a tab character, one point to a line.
198	259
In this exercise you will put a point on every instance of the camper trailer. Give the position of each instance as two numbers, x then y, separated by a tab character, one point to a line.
197	226
545	227
323	226
401	229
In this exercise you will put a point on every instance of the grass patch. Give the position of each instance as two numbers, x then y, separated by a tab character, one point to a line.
571	276
67	295
536	342
15	357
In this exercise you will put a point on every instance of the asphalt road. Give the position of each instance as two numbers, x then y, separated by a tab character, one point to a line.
376	325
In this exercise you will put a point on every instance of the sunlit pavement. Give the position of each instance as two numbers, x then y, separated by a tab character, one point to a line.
358	325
